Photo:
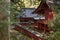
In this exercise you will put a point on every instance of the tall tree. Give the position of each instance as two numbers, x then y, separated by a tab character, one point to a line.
3	20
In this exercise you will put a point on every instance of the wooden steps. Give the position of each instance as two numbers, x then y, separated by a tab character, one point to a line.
28	32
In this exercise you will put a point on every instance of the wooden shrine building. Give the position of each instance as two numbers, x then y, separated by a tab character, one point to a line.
45	11
36	17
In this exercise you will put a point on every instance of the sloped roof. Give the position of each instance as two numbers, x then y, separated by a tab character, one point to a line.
41	7
28	12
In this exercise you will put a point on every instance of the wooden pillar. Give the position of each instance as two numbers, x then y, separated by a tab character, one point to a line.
45	28
35	25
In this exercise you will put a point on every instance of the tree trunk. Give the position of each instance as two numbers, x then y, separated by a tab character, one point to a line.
3	23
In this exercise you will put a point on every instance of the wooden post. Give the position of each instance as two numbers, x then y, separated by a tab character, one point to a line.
44	28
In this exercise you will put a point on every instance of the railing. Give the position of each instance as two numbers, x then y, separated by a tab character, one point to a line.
29	32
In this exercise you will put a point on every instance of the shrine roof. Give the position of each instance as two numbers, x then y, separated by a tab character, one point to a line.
27	12
42	7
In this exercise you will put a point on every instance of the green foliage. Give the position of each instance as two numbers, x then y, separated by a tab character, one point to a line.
54	36
3	22
55	24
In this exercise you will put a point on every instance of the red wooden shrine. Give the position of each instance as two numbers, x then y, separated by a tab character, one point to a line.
44	14
42	10
47	12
